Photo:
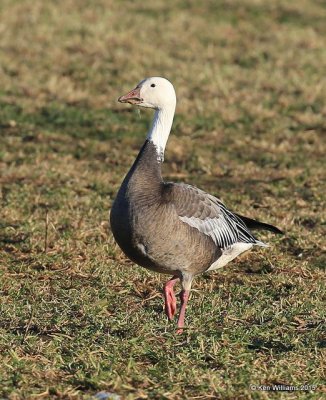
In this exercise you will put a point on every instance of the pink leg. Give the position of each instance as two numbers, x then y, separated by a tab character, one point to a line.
184	295
169	297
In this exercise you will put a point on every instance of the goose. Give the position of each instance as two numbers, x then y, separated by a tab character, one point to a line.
173	228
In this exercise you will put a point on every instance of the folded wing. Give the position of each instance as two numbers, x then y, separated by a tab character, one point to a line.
209	216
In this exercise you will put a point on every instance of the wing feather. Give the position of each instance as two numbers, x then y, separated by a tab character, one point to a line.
208	215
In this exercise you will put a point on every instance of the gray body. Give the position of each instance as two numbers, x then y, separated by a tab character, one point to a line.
173	228
146	225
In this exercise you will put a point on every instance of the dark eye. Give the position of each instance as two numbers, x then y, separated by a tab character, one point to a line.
153	85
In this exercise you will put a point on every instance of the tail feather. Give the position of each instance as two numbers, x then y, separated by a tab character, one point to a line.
261	244
253	224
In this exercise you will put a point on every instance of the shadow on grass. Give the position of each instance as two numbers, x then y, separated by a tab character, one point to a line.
261	345
75	121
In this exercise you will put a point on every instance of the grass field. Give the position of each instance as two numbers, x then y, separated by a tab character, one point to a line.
76	316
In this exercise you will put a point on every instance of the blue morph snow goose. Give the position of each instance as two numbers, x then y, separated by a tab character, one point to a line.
173	228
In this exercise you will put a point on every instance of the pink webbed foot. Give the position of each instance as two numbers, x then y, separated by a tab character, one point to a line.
169	297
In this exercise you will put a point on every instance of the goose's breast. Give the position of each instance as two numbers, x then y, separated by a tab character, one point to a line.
140	235
154	237
169	243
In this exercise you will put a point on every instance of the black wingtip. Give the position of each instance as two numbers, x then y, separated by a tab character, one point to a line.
252	224
273	228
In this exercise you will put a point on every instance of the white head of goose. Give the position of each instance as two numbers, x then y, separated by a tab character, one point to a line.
173	228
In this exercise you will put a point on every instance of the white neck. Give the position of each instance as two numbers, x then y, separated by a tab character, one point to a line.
160	129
